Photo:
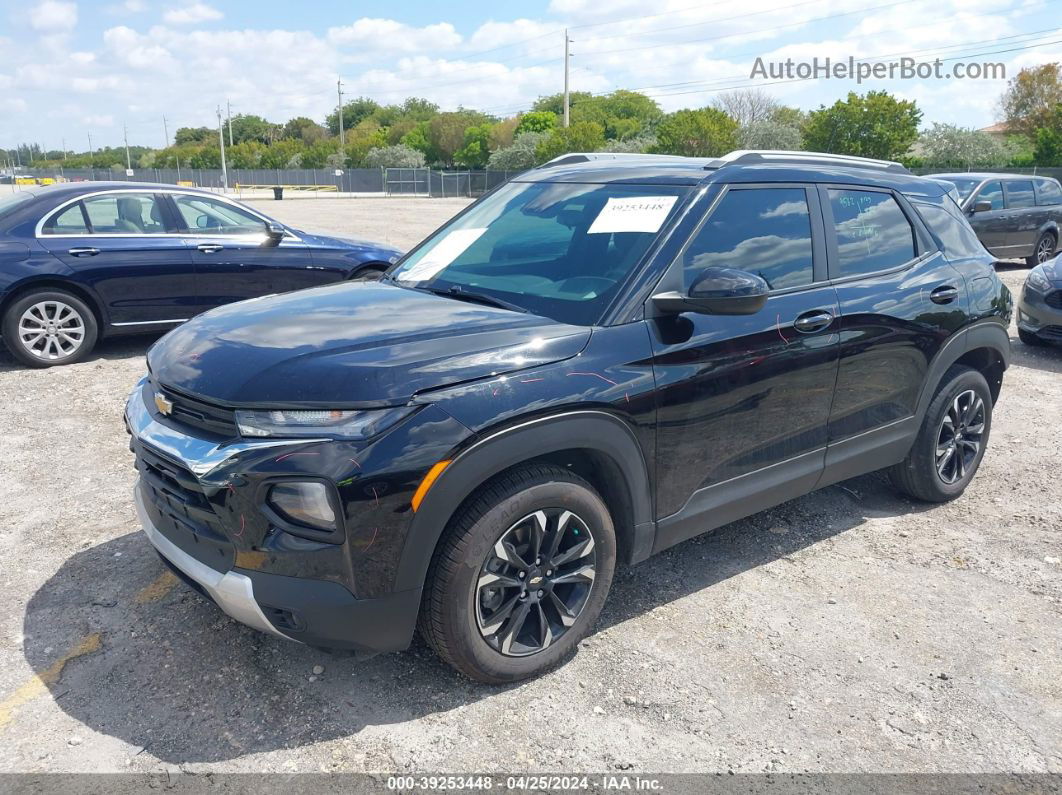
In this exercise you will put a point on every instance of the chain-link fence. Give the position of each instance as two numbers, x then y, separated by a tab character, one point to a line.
357	181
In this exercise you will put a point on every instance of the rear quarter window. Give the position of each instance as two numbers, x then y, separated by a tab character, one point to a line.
1048	192
949	225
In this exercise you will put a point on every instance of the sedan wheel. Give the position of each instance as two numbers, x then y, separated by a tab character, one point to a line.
51	330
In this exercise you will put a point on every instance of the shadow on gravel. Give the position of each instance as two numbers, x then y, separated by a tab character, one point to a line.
1035	357
125	347
175	677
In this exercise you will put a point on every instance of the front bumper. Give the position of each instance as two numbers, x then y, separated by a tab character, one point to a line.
298	604
1037	316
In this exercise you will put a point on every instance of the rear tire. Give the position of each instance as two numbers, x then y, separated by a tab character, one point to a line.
952	440
46	328
499	606
1045	249
369	274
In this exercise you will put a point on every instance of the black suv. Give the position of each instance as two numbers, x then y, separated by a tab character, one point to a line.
1014	216
592	363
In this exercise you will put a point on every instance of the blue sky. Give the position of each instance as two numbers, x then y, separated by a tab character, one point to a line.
72	67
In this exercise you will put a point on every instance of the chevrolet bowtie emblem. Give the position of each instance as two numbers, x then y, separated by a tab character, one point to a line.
163	403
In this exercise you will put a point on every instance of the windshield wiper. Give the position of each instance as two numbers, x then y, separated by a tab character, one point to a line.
461	294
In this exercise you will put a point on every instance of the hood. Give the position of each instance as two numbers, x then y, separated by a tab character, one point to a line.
351	344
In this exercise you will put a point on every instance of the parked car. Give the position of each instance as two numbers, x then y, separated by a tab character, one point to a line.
87	260
472	444
1015	216
1040	305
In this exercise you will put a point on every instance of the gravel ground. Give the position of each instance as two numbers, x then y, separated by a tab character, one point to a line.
850	630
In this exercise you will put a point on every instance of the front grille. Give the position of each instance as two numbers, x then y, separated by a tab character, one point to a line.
1054	299
196	413
181	510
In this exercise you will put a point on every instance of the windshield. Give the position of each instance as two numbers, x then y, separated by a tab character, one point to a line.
964	185
14	200
559	250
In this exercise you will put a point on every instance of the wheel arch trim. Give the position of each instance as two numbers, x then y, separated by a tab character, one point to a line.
989	333
597	431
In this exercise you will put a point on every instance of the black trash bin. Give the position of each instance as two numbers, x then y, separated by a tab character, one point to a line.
278	192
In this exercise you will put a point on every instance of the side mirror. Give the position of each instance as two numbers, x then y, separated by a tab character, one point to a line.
982	206
718	291
274	233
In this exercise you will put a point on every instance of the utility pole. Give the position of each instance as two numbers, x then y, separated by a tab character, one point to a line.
64	148
567	56
125	137
221	140
90	144
165	132
228	112
339	91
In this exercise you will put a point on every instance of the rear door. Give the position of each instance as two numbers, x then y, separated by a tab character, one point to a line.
234	258
126	245
739	395
899	300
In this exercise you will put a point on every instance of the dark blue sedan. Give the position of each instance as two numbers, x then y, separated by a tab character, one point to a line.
96	259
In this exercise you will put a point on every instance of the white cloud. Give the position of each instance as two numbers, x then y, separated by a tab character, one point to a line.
368	35
52	15
192	14
98	120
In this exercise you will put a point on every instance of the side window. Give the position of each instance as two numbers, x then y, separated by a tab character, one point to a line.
1020	194
201	213
70	221
766	231
1048	192
124	214
873	234
960	241
991	192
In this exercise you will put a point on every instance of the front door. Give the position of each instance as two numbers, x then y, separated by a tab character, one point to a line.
744	400
235	259
125	245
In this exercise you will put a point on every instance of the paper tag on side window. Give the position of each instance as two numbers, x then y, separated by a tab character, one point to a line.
446	251
633	214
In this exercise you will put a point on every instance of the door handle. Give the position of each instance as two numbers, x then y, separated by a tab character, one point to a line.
813	321
944	295
83	252
210	248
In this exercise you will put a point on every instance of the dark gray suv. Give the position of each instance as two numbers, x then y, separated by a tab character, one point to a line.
1014	215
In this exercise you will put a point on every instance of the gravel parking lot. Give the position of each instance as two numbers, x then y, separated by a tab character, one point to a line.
851	630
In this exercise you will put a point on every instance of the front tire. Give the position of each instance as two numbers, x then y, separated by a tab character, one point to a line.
1045	249
49	327
952	440
520	576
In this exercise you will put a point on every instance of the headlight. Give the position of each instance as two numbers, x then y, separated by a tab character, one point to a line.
339	423
305	503
1038	280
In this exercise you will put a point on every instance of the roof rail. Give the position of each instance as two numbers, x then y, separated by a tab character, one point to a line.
747	156
586	157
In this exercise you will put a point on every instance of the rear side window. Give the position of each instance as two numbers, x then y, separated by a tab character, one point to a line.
766	231
991	192
873	234
1048	192
70	221
1020	194
124	214
960	241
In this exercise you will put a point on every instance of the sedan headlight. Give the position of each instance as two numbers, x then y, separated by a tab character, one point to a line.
342	424
1038	280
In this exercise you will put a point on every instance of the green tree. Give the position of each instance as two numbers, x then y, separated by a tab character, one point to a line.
583	136
948	146
1029	101
248	127
399	156
476	149
874	125
417	138
354	112
520	155
279	154
770	134
503	133
303	129
446	134
536	121
194	135
707	132
206	157
554	103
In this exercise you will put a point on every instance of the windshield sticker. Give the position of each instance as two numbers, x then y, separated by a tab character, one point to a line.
442	254
633	214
